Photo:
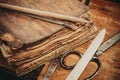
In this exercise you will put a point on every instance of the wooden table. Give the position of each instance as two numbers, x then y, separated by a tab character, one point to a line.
105	15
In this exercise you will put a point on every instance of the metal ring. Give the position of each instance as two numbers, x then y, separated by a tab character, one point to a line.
97	61
65	55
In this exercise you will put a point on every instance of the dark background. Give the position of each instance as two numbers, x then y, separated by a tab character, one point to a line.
31	76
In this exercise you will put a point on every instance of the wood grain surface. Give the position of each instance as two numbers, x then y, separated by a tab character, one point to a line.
105	15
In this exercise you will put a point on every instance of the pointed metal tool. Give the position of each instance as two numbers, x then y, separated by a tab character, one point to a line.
86	58
107	44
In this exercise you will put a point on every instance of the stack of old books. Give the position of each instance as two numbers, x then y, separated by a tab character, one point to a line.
27	42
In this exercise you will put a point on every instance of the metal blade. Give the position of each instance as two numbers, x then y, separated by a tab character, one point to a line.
82	63
51	69
107	44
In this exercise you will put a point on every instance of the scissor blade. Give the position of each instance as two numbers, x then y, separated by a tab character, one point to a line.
107	44
51	69
82	63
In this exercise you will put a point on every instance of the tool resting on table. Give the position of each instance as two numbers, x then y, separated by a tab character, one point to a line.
60	60
42	13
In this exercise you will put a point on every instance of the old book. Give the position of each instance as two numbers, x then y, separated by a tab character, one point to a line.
27	43
26	65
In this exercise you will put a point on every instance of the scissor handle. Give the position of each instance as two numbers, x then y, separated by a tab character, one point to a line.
65	55
94	59
98	62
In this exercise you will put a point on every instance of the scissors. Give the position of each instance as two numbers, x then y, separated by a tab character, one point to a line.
61	59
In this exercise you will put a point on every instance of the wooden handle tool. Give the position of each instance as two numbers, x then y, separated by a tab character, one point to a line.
42	13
